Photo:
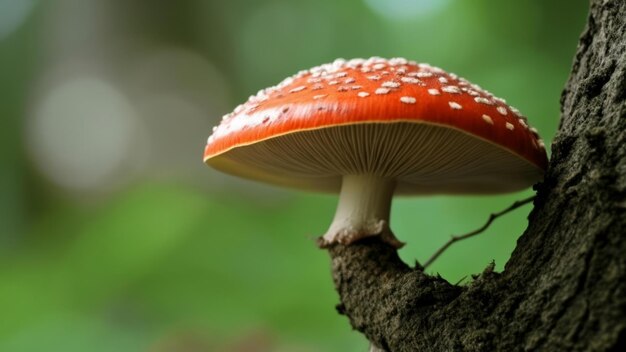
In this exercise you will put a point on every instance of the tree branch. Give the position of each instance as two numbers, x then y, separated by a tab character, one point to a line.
492	217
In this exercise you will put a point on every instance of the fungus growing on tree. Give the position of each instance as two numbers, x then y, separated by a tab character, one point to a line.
369	129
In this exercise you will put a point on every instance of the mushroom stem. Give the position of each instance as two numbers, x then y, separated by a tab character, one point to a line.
363	211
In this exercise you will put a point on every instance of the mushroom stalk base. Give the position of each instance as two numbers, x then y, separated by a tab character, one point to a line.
363	211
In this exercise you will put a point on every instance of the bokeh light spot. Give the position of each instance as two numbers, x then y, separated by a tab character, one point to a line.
81	133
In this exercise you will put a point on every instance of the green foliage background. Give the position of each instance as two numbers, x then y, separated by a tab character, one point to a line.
179	258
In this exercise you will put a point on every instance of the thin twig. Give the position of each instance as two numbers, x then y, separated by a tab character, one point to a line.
460	280
492	217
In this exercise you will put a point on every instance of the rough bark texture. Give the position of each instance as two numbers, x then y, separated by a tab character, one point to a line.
564	288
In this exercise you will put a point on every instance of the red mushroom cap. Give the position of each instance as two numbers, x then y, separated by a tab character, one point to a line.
396	93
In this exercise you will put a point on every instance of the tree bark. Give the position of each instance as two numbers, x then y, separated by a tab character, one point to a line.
564	288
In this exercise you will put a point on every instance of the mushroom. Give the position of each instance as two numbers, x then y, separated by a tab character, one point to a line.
369	129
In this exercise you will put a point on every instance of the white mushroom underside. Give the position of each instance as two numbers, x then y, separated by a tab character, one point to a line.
422	158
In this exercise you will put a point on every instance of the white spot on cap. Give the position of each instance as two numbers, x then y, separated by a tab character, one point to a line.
349	80
332	83
455	105
381	91
410	80
487	119
319	96
390	84
437	69
317	87
398	61
297	89
483	100
534	132
433	91
408	100
252	107
498	99
509	126
341	74
451	89
477	87
343	89
356	87
523	123
374	77
443	80
502	110
363	94
541	144
339	62
422	74
379	66
356	63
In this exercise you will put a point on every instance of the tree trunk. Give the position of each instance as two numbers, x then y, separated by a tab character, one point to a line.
564	288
